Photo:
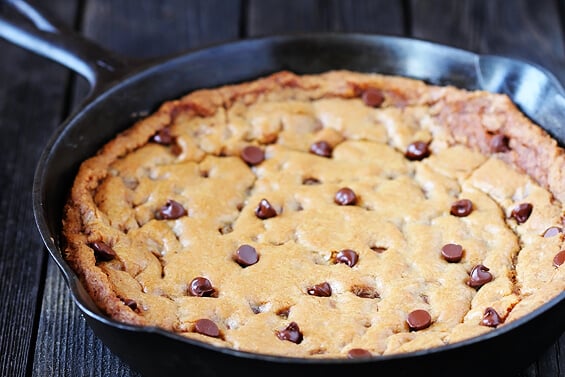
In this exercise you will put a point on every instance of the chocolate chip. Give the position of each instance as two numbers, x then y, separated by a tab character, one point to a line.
373	97
347	256
379	249
201	287
291	333
226	228
522	212
265	210
252	155
419	319
365	291
345	197
452	252
310	181
170	211
358	353
176	149
207	327
283	312
320	290
552	231
461	208
479	276
130	303
246	255
102	252
321	148
491	318
559	258
256	309
417	151
163	136
500	143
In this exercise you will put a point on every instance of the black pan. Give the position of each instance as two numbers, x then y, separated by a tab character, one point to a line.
121	91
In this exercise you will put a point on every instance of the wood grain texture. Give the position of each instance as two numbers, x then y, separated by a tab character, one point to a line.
267	17
528	30
32	96
145	29
66	346
155	29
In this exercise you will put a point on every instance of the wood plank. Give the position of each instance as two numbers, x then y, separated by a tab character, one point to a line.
32	97
267	17
528	30
155	29
66	346
379	17
145	29
275	16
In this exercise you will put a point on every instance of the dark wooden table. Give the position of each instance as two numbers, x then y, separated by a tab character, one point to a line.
42	332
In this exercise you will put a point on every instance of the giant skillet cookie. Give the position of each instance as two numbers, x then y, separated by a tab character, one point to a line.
323	216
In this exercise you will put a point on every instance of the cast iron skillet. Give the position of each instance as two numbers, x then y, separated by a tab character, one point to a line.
122	90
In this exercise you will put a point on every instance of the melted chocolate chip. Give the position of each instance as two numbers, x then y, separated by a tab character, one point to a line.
491	318
452	252
226	229
265	210
365	291
552	231
358	353
419	319
310	181
522	212
379	249
207	327
348	257
201	287
132	304
256	309
373	97
283	312
291	333
345	197
163	136
559	258
176	149
417	151
479	276
246	255
320	290
321	148
461	208
102	252
500	143
252	155
170	211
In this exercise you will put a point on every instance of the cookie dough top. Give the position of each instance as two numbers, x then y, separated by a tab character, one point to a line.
334	215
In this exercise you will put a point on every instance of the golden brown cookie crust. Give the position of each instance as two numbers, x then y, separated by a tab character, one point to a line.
396	220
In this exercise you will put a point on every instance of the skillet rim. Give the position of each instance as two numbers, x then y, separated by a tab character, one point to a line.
104	90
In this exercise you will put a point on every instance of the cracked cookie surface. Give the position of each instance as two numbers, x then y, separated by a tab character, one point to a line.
334	215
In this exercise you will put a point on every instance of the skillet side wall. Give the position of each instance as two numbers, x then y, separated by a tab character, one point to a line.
142	92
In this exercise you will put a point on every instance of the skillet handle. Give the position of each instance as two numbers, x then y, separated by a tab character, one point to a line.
34	29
